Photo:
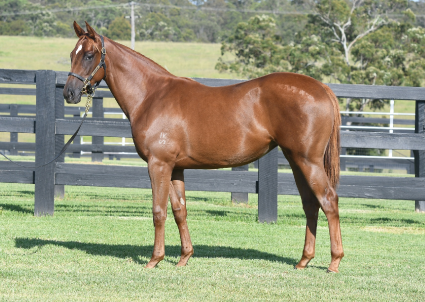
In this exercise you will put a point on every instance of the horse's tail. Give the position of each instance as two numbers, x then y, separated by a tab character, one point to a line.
331	159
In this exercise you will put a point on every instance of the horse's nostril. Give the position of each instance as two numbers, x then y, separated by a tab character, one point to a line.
71	93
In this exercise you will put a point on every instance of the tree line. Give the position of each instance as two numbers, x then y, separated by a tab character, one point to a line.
161	20
353	42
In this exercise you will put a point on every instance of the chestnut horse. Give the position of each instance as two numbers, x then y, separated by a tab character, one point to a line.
178	123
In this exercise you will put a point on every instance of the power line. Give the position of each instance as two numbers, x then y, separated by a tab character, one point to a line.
56	10
216	9
194	7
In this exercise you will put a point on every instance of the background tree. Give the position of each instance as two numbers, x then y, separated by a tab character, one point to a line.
119	29
211	21
357	42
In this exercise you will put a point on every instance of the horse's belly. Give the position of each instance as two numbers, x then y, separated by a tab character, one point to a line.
224	151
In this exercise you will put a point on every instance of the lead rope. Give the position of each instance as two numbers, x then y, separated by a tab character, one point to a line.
89	100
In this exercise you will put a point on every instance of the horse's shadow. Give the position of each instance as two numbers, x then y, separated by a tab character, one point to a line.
135	252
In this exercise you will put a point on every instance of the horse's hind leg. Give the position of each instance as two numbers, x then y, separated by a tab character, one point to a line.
178	203
311	209
315	178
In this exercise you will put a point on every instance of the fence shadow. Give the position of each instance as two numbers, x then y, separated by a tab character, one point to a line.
394	220
15	208
216	213
136	251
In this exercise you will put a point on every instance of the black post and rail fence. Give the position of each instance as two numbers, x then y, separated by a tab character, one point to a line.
50	125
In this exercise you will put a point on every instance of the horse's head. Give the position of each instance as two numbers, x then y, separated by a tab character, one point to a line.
84	59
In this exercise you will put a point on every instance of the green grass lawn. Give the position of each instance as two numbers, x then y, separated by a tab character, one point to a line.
96	245
181	59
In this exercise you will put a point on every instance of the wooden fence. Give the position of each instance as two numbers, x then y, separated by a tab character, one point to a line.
119	151
50	126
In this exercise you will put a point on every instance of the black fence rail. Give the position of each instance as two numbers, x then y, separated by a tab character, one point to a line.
97	150
119	151
50	125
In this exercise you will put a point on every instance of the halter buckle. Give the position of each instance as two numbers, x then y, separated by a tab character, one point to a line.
87	88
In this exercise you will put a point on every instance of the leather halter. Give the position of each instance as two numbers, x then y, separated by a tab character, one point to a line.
88	88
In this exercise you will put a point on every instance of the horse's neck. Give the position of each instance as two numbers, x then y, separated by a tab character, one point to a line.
129	75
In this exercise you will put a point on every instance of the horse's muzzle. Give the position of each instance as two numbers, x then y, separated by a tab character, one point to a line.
72	96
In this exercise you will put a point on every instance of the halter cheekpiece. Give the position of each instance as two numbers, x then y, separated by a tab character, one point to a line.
88	88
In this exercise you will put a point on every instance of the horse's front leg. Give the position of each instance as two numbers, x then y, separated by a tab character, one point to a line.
160	175
178	203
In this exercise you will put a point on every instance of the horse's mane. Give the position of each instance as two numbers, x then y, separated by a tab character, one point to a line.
158	67
136	54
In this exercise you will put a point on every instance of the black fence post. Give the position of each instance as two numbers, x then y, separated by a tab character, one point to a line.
59	139
77	141
97	110
342	160
412	163
13	135
45	142
419	154
239	197
267	187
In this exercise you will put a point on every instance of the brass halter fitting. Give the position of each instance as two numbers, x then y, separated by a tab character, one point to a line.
87	89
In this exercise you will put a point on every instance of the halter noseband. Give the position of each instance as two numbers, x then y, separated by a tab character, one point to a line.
87	88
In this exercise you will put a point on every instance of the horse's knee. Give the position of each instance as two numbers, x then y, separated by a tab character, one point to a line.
159	215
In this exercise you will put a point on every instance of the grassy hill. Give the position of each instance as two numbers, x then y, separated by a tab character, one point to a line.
182	59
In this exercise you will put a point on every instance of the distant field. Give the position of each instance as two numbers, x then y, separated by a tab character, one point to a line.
182	59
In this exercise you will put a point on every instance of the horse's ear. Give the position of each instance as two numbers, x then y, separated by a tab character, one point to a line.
78	30
91	31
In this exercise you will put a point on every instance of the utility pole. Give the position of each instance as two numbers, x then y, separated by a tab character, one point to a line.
133	28
133	31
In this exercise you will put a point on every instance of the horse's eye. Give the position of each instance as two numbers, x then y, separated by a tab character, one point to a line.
89	58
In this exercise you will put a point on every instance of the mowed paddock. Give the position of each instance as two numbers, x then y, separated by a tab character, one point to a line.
97	243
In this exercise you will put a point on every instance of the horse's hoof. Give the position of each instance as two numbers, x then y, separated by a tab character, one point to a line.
185	259
150	265
331	271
